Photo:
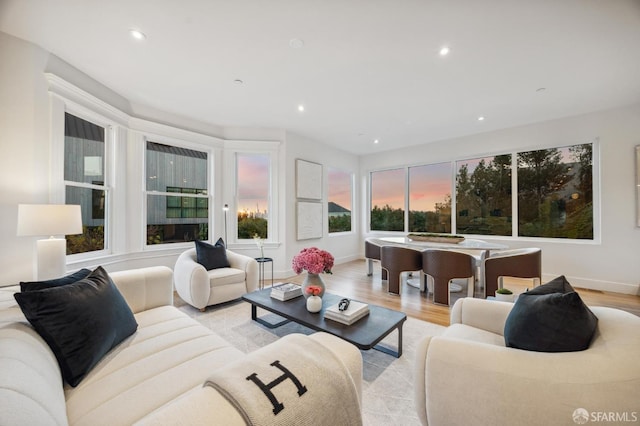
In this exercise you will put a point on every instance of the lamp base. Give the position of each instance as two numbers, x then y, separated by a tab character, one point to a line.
51	258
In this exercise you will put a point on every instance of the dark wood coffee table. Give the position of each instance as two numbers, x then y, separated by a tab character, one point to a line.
365	334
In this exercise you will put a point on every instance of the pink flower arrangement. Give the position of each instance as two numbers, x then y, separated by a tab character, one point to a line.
313	290
312	260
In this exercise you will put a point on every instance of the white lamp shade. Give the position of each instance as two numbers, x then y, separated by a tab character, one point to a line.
49	219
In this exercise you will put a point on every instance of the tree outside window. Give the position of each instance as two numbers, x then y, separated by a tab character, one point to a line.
483	196
555	192
387	200
430	198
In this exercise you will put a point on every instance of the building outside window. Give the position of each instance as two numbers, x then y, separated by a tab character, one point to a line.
84	180
339	193
253	193
177	194
555	192
387	200
430	198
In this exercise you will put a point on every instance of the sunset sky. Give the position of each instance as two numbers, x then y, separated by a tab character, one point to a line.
339	190
253	182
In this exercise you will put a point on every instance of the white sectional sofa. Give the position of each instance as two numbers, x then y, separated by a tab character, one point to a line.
155	376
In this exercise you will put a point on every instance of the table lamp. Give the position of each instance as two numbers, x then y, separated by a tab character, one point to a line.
49	220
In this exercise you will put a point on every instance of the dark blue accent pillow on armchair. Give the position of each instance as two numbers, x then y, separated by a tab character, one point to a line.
550	318
212	257
80	322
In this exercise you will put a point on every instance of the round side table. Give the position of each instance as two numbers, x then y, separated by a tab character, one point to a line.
261	261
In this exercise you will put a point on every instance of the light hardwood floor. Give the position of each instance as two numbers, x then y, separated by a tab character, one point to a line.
350	280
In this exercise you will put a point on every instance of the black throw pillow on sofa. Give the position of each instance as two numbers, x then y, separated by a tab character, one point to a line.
80	322
550	318
212	257
68	279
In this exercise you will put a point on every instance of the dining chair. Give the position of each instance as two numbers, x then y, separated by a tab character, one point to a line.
396	260
446	265
371	253
516	263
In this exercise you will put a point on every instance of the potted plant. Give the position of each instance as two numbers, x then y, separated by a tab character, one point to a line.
504	294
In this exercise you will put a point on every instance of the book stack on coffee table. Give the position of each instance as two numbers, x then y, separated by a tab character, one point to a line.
353	313
286	291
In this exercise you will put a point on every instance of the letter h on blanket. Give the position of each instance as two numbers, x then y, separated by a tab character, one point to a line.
266	388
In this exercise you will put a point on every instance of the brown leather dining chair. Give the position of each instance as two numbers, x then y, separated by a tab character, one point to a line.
371	253
517	263
396	260
443	266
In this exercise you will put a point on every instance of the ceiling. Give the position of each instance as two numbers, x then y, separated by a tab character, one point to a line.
367	69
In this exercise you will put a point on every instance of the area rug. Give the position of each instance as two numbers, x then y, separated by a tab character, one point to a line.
388	381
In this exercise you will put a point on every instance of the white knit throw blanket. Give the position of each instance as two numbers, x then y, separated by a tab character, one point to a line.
294	380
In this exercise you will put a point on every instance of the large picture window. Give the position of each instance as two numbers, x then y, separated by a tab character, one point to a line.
430	198
84	176
554	195
483	196
253	185
173	170
339	200
387	200
555	192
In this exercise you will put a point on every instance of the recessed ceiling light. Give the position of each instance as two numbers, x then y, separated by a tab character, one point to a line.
481	118
301	108
238	81
541	89
444	51
376	141
137	34
296	43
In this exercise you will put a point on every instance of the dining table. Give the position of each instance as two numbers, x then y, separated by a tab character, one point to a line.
479	249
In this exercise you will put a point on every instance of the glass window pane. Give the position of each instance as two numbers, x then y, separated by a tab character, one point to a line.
175	169
93	205
176	218
555	192
253	192
387	200
430	198
483	196
167	224
339	197
83	150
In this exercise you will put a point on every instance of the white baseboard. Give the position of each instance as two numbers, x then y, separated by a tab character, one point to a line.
591	284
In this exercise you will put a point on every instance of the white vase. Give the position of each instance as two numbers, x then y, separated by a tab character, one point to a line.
314	304
315	280
504	297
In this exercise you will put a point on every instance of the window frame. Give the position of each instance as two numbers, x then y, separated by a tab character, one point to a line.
60	107
596	182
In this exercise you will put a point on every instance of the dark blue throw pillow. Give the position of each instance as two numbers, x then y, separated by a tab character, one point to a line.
80	322
68	279
212	257
550	318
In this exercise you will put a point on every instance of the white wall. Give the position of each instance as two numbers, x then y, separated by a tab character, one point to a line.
343	246
612	264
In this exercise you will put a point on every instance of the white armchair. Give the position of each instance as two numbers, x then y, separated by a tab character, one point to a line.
468	376
201	288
